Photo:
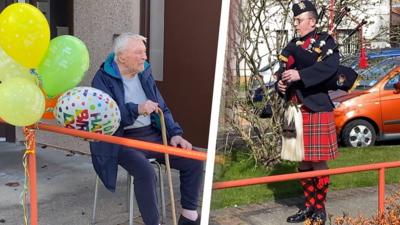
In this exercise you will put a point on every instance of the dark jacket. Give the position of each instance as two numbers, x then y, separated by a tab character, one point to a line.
108	79
310	88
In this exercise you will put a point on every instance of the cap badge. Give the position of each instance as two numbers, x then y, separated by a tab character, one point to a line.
301	5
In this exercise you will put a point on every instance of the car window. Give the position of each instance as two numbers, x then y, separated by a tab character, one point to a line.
373	74
350	62
386	66
372	63
379	67
390	84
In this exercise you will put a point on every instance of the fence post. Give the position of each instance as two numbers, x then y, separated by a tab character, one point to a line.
31	154
381	191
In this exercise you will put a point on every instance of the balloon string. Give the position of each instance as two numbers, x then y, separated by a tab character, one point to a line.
37	76
29	138
25	187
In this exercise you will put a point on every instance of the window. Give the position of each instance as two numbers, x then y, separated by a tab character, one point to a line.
156	47
390	84
352	45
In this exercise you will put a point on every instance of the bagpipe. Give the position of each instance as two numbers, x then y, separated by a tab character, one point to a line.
324	36
343	79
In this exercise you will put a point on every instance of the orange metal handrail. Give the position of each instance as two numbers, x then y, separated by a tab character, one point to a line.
141	145
294	176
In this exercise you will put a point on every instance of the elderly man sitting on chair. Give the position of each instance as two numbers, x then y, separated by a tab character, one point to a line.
127	78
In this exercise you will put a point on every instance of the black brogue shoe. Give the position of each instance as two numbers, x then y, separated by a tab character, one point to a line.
301	215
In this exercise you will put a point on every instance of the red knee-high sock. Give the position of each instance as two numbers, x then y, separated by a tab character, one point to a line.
321	190
309	190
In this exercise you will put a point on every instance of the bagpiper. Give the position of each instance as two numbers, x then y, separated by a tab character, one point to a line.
309	134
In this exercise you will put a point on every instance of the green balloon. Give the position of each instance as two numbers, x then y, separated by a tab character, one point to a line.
64	65
22	102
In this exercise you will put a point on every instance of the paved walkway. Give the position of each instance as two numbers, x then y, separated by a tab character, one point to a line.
66	184
353	202
65	190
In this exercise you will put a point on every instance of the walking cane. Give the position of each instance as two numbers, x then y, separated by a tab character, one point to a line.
167	165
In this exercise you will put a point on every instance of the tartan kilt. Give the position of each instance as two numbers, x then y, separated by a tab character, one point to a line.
320	141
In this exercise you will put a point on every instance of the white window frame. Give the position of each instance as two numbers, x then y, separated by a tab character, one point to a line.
156	51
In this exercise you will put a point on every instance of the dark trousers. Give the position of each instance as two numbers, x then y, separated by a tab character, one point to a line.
137	164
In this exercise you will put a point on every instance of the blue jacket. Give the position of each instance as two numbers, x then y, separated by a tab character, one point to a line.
108	79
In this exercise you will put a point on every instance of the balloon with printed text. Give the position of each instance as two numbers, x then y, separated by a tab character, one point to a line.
88	109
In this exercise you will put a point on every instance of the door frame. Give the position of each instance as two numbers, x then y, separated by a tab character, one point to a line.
7	131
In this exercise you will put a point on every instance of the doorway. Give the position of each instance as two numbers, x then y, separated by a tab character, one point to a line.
59	15
184	38
7	132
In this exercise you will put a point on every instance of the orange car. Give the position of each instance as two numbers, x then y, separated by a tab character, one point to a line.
371	112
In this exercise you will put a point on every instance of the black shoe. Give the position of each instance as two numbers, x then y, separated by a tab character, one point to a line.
319	217
185	221
301	215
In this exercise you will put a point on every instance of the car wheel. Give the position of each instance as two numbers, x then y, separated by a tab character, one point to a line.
358	133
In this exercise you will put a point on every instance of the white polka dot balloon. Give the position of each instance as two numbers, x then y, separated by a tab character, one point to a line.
88	109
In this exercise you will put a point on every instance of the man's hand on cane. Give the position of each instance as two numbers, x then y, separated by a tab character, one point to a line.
147	107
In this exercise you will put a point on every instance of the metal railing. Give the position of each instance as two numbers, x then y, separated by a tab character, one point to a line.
30	138
380	167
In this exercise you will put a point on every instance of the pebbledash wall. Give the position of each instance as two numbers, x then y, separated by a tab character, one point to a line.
95	24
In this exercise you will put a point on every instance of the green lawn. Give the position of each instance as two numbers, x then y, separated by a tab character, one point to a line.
242	167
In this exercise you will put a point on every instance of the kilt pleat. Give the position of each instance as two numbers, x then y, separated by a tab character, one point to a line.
320	141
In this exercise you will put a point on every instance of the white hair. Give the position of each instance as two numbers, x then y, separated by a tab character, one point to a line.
121	41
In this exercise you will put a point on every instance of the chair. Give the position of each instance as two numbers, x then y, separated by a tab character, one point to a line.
130	194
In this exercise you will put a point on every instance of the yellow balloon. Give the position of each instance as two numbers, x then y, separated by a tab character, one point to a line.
9	69
24	34
22	102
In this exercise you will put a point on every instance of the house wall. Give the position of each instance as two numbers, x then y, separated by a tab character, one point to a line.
380	20
95	23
